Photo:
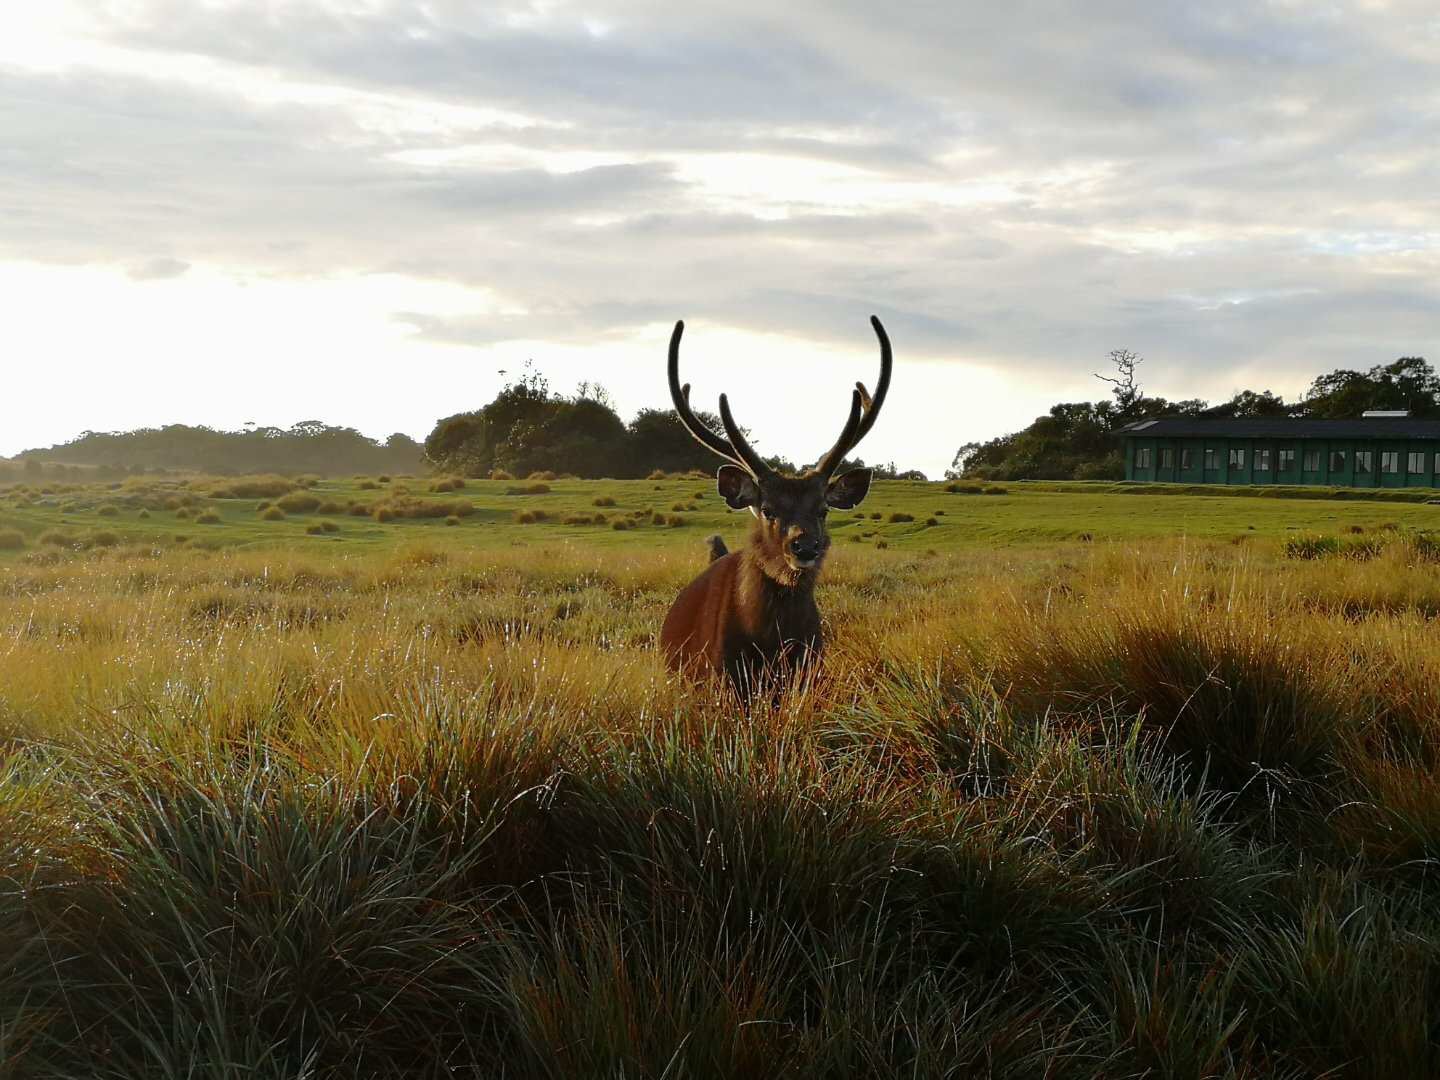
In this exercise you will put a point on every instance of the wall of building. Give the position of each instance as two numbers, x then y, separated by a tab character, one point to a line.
1329	470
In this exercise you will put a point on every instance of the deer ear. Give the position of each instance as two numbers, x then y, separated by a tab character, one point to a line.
737	487
847	491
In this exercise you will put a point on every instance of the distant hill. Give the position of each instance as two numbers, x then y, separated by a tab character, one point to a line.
308	447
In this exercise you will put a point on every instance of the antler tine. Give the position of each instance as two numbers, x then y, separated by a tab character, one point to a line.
680	397
872	407
752	460
864	409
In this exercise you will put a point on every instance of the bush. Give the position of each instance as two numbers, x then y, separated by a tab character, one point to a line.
384	513
209	517
314	529
383	479
544	474
330	508
448	483
1311	547
301	502
501	474
620	525
11	540
528	489
369	485
658	474
274	513
674	520
882	543
143	514
965	489
931	522
359	509
899	517
329	527
55	538
452	519
603	500
529	517
996	489
103	539
108	510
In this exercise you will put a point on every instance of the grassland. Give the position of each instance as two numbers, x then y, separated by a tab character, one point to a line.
1090	785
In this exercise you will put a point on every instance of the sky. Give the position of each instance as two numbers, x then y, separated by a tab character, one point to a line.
372	213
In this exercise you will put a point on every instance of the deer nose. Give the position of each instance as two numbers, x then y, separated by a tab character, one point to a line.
804	548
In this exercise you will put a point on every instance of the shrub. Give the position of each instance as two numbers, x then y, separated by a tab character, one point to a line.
209	517
143	514
11	540
300	502
501	474
620	525
331	507
698	495
369	485
964	489
55	538
359	509
603	500
545	474
329	527
658	474
108	510
899	517
448	483
882	543
274	513
384	513
876	516
529	517
931	522
383	479
314	529
996	489
528	489
452	519
674	521
102	539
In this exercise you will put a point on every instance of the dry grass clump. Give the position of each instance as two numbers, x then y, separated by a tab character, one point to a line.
299	502
208	517
899	516
530	517
501	474
253	487
273	513
11	540
321	528
528	489
602	500
108	510
401	506
448	483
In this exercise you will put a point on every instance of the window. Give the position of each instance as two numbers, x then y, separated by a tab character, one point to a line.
1142	457
1437	463
1364	459
1337	460
1187	458
1287	460
1237	457
1312	461
1390	461
1262	460
1212	458
1167	457
1415	465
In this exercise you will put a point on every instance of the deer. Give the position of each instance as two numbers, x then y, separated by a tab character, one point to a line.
751	614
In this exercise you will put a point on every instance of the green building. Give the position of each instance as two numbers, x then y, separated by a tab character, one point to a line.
1379	450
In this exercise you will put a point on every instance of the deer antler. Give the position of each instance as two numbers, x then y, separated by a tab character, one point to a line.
863	408
737	450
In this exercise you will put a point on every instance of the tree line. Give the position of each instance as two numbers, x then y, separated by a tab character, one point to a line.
1081	441
529	428
308	447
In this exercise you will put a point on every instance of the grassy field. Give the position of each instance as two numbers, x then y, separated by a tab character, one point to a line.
1090	785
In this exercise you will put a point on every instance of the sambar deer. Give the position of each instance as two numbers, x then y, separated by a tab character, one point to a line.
751	615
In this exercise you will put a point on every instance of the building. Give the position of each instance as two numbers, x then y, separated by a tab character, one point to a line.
1378	450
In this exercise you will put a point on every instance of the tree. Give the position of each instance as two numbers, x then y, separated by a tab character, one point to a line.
1126	390
1407	383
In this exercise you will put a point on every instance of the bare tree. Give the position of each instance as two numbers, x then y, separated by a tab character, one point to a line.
1126	389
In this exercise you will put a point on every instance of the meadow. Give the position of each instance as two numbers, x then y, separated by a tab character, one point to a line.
1091	784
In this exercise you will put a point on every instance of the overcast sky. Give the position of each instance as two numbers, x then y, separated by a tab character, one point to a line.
363	211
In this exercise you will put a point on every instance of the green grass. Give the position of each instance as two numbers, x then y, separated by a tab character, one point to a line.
912	516
424	801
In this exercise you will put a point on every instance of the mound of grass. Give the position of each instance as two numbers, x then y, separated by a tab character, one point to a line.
448	483
253	487
899	516
11	540
603	500
209	517
528	489
530	517
299	502
108	510
273	513
501	474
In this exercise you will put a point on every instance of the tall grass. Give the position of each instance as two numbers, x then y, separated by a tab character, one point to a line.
1090	811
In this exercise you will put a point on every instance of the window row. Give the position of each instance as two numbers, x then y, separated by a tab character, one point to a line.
1285	460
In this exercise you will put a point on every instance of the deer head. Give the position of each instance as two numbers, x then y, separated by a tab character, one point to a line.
789	535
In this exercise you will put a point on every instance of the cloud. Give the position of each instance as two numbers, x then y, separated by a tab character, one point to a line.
159	269
1228	188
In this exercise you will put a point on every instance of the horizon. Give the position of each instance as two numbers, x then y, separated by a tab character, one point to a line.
373	212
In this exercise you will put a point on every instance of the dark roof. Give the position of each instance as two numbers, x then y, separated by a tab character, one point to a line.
1170	427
